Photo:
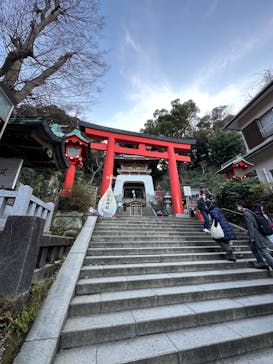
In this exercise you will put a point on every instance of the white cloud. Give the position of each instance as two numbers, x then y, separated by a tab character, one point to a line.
145	95
129	42
148	98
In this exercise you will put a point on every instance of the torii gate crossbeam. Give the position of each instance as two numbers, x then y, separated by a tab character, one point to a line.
111	141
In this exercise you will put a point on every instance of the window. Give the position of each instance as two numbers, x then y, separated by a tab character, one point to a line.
266	124
252	134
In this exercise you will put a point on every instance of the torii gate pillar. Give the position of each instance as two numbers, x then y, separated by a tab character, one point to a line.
174	183
108	165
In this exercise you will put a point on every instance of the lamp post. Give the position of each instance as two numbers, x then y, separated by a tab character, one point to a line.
7	103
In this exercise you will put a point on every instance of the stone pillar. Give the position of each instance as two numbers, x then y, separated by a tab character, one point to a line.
19	248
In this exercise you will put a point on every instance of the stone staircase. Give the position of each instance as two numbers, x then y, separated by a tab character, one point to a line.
159	290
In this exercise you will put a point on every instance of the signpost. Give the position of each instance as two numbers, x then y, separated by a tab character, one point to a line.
187	194
7	103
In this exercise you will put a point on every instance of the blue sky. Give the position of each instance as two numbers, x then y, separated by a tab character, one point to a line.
212	51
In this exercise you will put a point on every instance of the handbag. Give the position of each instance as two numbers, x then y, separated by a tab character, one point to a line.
216	231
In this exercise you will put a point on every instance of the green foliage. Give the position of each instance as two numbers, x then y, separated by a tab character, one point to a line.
16	318
58	229
80	199
213	145
196	178
250	190
175	124
223	146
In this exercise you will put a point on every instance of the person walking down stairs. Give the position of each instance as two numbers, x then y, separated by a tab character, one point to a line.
217	215
203	208
257	242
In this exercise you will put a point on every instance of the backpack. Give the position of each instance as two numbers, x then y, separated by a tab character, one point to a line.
263	225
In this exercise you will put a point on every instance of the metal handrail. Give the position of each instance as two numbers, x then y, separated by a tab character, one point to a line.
232	211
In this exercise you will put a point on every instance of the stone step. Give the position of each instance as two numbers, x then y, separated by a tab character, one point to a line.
170	219
124	259
169	267
105	327
263	356
196	236
173	243
161	250
197	345
155	235
121	283
149	222
153	297
148	229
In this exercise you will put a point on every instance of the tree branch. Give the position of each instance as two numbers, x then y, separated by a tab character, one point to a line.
39	80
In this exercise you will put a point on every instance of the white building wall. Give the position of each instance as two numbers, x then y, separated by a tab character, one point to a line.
145	179
263	164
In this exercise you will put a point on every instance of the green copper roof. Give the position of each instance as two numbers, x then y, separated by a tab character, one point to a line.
57	129
239	158
77	133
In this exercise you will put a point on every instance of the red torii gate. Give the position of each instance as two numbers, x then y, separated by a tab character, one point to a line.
142	144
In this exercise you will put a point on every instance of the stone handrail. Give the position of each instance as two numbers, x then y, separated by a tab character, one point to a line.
52	248
23	203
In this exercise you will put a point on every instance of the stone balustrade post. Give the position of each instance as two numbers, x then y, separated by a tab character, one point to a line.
19	247
22	200
49	216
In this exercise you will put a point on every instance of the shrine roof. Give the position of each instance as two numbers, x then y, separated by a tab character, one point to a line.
32	139
83	125
238	159
77	133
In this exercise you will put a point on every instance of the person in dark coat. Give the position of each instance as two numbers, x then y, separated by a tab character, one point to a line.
257	242
259	210
203	208
218	216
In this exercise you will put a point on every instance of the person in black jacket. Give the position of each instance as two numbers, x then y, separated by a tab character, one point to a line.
203	208
257	241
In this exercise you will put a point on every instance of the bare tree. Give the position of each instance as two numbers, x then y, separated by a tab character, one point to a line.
50	48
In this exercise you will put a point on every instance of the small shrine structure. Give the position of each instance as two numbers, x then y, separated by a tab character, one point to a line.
235	168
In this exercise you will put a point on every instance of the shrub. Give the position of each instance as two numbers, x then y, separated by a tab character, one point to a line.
80	199
251	190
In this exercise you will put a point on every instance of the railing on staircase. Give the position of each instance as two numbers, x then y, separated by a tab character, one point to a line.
234	217
23	203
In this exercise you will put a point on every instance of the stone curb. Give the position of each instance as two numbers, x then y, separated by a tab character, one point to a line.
41	344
